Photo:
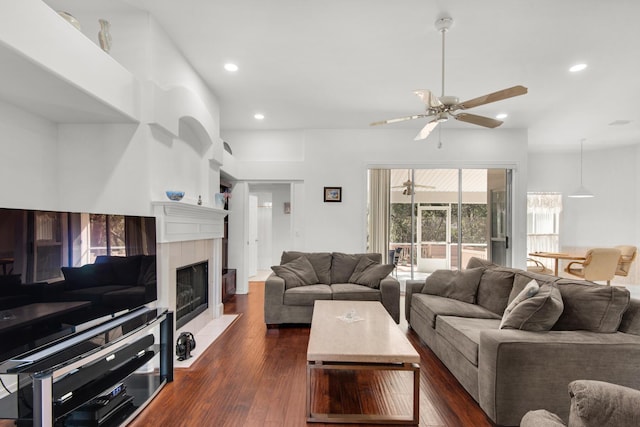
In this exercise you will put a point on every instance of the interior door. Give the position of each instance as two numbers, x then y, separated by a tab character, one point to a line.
433	238
252	242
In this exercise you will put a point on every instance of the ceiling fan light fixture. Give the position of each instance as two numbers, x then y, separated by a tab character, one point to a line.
501	116
578	67
232	68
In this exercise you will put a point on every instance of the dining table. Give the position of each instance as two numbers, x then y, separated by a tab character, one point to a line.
557	256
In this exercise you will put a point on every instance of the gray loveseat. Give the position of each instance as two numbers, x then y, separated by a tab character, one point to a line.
581	331
304	277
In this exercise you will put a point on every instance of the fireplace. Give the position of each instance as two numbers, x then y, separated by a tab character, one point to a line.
192	296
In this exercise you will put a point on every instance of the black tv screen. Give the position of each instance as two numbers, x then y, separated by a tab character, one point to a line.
63	271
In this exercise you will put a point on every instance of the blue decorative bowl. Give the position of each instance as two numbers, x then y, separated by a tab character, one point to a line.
175	195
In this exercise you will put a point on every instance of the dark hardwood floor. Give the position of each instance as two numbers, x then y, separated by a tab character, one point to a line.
252	376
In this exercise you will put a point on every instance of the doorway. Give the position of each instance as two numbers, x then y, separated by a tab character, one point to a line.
270	226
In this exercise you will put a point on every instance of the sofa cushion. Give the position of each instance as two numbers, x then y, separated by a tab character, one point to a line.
343	265
126	269
132	296
457	284
475	262
354	292
370	273
321	262
88	276
463	333
537	313
306	295
529	291
298	272
94	294
494	288
523	277
591	307
430	306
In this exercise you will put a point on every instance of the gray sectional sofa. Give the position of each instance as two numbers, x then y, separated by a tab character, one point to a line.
304	277
569	330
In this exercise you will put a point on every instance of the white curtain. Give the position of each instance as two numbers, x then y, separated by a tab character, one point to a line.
379	205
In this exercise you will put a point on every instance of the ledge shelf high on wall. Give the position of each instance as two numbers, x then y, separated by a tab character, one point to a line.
70	80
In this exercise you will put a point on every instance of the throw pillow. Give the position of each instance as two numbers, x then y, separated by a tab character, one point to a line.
494	289
537	313
343	265
456	284
321	262
298	272
370	273
529	291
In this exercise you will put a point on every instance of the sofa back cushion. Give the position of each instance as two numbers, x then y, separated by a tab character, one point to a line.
494	288
126	269
298	272
343	265
88	276
591	307
456	284
321	262
631	319
475	262
370	273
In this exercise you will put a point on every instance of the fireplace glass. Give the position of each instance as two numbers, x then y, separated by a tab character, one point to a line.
191	292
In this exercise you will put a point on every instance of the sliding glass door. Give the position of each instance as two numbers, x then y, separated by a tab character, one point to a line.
439	218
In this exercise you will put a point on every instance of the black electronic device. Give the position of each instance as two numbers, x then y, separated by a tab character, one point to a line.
64	388
185	343
101	408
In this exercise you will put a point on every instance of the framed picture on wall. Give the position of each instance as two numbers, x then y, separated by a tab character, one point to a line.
332	194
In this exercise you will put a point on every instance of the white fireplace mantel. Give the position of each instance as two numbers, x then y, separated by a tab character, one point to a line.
179	222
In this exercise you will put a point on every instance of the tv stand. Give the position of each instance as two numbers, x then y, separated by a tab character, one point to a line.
102	376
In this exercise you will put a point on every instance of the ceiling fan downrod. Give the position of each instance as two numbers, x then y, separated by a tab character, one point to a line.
443	25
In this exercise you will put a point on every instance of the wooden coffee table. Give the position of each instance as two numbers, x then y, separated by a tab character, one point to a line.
375	342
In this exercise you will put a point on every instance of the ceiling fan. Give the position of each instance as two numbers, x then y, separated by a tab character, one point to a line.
443	107
409	187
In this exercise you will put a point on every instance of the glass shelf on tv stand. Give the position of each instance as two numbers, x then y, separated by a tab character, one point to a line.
131	352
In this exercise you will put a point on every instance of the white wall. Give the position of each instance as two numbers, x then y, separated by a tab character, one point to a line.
29	171
112	168
340	158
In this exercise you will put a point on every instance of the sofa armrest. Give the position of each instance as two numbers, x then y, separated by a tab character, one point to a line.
273	297
412	286
520	370
541	418
390	295
597	403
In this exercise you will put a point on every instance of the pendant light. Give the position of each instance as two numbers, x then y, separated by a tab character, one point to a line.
582	192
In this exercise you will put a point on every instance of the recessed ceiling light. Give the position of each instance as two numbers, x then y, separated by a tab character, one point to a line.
231	67
502	116
258	116
578	67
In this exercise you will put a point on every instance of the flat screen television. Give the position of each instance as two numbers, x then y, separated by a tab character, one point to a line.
61	272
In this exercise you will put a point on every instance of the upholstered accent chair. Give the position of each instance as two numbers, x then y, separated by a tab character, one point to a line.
535	266
627	256
600	264
593	404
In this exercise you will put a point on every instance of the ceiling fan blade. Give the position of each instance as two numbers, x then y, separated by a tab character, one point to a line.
492	97
399	119
431	187
478	120
428	98
426	130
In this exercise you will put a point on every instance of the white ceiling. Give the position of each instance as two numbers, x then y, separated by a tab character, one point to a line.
338	64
